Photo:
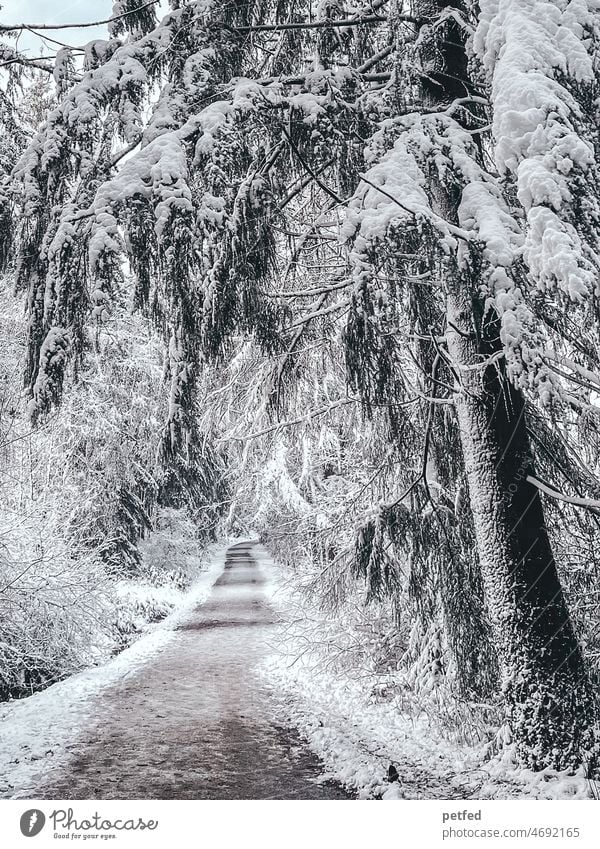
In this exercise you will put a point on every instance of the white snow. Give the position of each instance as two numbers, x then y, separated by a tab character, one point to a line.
36	732
359	722
534	53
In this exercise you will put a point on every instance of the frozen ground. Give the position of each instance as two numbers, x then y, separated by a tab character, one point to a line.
207	705
358	731
37	734
182	714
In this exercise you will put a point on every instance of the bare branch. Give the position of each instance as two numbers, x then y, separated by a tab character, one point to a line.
307	293
312	173
299	25
320	313
374	60
14	27
292	347
305	418
590	503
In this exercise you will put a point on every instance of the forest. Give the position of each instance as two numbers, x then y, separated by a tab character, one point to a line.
322	274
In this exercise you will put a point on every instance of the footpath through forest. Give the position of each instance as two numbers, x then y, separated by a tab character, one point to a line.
195	722
205	706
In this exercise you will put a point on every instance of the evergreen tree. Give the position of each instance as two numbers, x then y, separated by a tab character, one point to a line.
435	163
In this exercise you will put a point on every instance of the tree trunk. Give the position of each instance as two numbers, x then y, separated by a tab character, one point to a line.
460	584
550	709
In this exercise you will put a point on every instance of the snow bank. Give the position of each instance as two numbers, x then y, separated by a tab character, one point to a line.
36	733
360	724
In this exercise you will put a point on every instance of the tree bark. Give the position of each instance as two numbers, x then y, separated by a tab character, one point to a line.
550	708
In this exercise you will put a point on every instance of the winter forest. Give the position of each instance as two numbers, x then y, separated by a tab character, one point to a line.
321	276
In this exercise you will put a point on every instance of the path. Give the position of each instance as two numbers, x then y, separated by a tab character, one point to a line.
195	722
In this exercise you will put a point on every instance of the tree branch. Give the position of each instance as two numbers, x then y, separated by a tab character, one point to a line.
320	313
374	60
590	503
292	347
13	27
39	63
437	219
305	418
312	173
346	22
368	78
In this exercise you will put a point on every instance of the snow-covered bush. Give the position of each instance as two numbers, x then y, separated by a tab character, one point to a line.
170	557
55	604
82	571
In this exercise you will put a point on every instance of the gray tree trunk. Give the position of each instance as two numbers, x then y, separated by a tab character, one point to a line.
550	709
549	705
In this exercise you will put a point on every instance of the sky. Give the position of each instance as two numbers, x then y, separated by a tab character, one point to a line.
55	12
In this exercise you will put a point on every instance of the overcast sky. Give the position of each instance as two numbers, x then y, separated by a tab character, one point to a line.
54	12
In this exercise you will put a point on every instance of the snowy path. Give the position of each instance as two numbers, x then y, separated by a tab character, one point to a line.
195	721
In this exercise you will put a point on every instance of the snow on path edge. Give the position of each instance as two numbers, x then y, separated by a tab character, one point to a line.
36	732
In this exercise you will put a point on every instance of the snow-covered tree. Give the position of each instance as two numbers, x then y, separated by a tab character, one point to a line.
405	188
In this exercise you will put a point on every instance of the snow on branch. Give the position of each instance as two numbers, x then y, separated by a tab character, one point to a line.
303	25
10	56
306	417
590	503
538	56
85	25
